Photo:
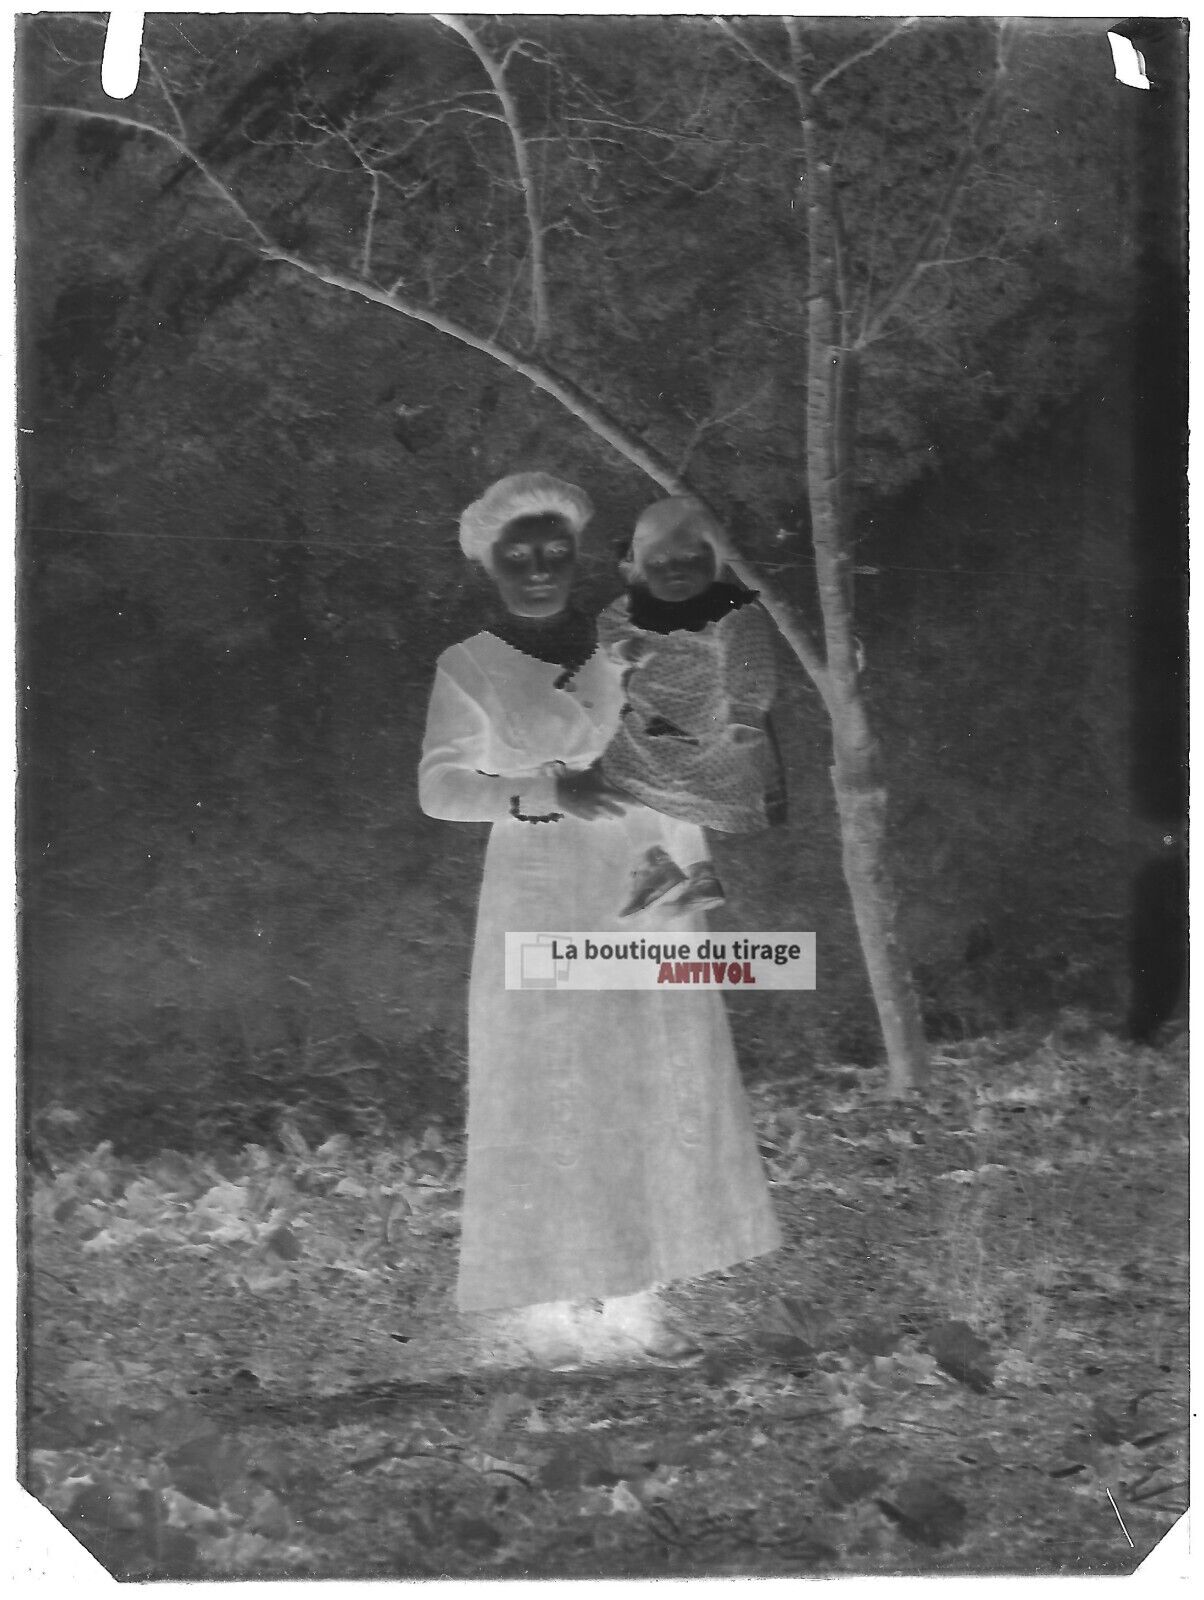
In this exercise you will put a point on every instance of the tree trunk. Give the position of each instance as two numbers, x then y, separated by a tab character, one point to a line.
862	811
856	772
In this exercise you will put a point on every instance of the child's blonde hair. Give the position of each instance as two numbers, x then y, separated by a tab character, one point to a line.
664	517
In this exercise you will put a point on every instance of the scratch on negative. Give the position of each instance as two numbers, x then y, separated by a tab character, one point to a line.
1119	1518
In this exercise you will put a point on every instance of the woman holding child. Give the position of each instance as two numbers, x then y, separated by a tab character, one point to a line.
610	1148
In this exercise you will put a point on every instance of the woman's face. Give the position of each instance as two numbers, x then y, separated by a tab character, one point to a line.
678	565
533	564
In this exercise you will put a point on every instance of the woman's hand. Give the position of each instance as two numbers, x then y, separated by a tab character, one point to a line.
632	652
588	795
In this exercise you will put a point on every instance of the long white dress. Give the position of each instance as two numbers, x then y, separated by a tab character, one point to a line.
609	1142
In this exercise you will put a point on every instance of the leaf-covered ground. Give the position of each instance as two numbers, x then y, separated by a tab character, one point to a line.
970	1357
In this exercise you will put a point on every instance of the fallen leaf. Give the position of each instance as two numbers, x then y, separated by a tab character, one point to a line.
1104	1426
105	1506
66	1425
220	1457
805	1321
925	1512
719	1367
676	1450
199	1485
786	1348
503	1409
1076	1456
577	1465
918	1365
958	1350
259	1280
240	1550
845	1485
474	1535
337	1148
622	1501
282	1242
850	1412
268	1516
293	1140
227	1199
428	1164
875	1338
903	1136
177	1425
184	1512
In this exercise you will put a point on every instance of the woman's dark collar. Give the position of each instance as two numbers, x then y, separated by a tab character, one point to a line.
667	616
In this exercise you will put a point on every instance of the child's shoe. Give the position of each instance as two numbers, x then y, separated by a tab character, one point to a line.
654	877
703	891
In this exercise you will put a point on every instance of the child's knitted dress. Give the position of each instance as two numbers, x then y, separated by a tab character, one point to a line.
693	741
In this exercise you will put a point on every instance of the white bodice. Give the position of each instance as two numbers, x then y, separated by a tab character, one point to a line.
496	714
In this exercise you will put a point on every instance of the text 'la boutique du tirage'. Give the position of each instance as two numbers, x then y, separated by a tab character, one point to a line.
574	961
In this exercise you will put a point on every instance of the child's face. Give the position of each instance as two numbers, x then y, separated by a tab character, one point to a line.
678	565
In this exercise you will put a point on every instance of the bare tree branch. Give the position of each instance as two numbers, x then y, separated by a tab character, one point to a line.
540	315
559	388
754	54
587	411
963	261
833	73
942	213
504	310
152	67
797	79
686	136
180	146
370	222
826	396
708	424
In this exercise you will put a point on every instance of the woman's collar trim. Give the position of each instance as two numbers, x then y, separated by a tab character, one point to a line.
568	642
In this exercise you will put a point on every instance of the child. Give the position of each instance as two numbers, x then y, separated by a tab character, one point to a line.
694	741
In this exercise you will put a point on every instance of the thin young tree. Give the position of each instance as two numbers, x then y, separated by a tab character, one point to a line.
843	319
492	192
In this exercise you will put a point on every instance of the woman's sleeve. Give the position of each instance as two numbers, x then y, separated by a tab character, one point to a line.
615	634
750	674
451	784
611	620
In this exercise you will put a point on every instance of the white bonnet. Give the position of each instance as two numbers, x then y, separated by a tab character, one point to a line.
523	494
664	517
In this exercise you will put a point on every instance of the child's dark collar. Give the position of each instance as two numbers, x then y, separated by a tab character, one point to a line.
667	616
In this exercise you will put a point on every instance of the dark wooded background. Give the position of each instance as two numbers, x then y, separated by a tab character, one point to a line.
238	561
